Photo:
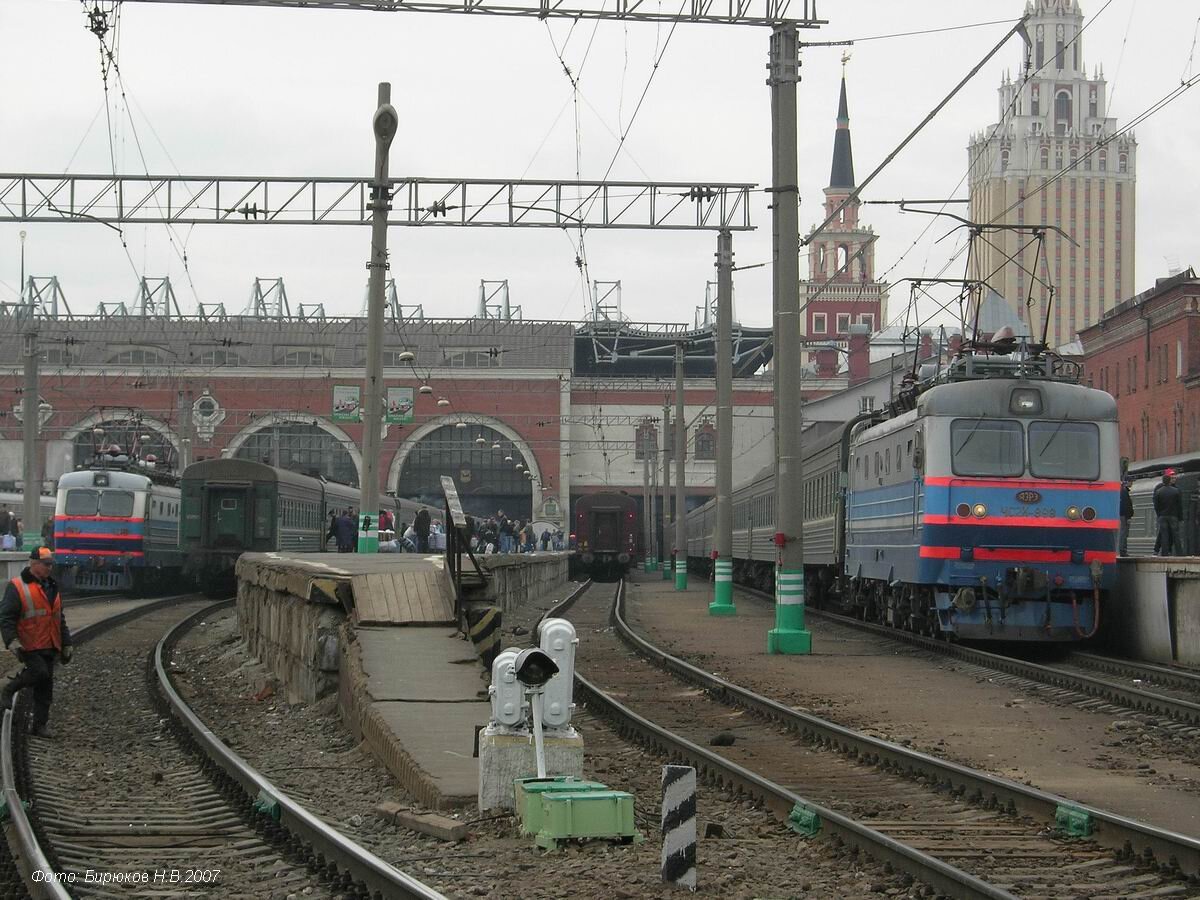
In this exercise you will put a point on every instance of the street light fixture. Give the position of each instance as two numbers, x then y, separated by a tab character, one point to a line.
425	389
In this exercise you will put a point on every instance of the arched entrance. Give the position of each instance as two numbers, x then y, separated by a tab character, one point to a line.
302	444
483	462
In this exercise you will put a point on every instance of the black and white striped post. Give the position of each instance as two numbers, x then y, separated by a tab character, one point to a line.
679	826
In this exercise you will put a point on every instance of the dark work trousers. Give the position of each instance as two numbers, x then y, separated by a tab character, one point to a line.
1123	544
1170	540
38	674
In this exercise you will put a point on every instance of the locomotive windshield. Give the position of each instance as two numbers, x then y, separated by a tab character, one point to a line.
990	447
118	504
1064	450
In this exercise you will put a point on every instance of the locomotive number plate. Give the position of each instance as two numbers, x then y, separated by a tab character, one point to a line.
1028	497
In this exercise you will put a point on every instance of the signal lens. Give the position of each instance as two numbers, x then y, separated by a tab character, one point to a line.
1088	514
979	510
964	510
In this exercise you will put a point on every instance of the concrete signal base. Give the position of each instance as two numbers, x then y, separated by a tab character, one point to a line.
505	756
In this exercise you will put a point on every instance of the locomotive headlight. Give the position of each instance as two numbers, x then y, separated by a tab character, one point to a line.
979	510
1072	513
964	510
1025	401
1089	514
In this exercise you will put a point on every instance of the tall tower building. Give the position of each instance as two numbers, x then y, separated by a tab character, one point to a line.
853	297
1053	159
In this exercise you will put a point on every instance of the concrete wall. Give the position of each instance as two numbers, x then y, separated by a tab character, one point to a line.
297	639
1155	612
518	578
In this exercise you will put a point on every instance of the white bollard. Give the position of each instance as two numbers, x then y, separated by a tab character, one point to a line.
679	826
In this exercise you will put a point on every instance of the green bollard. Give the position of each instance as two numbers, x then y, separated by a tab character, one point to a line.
668	568
368	535
789	635
722	604
681	574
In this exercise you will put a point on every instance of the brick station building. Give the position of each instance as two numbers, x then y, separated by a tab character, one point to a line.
1146	353
566	402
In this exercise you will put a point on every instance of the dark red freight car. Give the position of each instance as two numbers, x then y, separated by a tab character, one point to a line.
606	534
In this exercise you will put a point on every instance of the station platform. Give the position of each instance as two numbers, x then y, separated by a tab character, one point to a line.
410	686
874	685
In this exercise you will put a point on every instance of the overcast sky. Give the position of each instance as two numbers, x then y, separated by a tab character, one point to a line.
229	90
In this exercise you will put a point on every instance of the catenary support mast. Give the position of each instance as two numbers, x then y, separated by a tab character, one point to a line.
789	634
722	604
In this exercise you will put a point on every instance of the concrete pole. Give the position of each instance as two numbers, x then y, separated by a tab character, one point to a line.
666	495
31	516
646	526
655	555
185	429
681	549
384	124
722	603
789	634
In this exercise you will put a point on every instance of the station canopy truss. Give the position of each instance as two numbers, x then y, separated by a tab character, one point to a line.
251	200
800	13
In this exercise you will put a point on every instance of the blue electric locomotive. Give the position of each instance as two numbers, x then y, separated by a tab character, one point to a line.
116	527
982	504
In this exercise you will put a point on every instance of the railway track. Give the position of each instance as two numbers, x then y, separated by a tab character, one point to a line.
1069	682
964	833
139	793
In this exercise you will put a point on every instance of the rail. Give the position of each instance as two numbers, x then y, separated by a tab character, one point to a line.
362	865
1127	836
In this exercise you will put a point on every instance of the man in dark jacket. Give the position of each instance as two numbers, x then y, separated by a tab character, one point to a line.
1126	515
421	527
33	630
344	529
1168	506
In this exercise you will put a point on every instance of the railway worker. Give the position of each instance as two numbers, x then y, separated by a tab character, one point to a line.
1168	506
5	516
1126	515
33	629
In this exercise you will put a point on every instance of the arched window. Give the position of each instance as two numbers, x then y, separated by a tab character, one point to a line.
1062	112
1123	163
301	447
706	441
1003	160
1035	104
1102	163
843	257
1040	58
131	436
1045	158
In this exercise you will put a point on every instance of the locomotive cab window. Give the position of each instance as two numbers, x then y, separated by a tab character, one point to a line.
118	504
987	447
1064	450
82	502
229	503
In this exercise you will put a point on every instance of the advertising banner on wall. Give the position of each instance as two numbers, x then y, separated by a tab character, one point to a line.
399	406
346	407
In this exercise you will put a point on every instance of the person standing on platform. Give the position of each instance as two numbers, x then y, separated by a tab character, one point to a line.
1126	516
5	519
421	527
344	530
1168	507
33	630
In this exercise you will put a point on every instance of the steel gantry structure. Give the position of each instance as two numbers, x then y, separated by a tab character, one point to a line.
802	13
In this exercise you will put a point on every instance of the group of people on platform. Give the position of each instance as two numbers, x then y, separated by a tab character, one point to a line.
1169	538
495	534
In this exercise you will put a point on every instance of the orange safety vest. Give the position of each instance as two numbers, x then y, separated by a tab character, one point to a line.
40	627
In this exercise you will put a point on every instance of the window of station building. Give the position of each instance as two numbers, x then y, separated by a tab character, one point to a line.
473	358
706	441
1044	158
56	356
1003	160
843	323
216	356
139	356
1123	162
1035	105
1102	162
818	323
1092	104
645	441
867	319
303	356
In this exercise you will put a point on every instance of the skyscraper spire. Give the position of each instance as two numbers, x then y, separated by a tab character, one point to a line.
842	174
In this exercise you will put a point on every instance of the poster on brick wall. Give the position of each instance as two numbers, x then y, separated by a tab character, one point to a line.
399	406
345	403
